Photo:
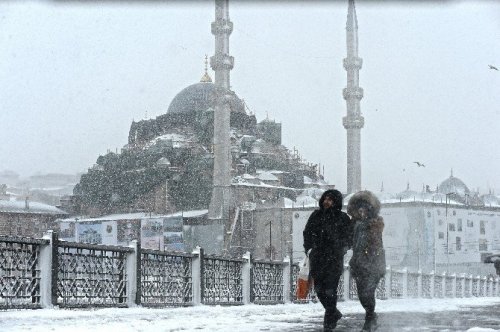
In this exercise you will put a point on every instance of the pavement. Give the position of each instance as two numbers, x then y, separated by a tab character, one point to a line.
479	318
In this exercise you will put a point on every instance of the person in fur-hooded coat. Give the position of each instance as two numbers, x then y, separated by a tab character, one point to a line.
368	259
328	235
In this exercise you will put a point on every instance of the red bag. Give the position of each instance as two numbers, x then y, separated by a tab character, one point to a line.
304	282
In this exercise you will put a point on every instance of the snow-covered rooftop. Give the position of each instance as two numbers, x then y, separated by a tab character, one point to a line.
33	207
139	215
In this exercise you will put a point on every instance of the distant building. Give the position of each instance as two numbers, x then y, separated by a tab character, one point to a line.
27	218
450	229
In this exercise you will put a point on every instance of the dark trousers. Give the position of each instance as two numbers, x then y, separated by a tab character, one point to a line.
326	281
367	285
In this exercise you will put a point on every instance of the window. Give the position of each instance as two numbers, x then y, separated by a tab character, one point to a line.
441	235
439	212
470	223
454	212
440	222
483	245
458	244
428	214
459	225
451	227
482	227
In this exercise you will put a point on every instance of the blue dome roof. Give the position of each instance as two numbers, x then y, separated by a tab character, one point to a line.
200	97
453	185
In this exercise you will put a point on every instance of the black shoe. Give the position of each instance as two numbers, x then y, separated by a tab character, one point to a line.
371	323
331	319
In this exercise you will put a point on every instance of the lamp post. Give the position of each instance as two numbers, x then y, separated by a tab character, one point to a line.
270	240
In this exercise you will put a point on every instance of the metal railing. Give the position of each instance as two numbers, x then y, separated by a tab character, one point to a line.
41	273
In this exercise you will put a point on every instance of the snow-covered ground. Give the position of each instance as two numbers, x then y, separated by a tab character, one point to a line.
213	318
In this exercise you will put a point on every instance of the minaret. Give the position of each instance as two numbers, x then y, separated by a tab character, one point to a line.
353	122
221	63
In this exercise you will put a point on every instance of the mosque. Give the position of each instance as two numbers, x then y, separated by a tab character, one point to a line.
209	153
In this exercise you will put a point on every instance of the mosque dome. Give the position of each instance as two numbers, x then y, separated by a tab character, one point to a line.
200	97
453	185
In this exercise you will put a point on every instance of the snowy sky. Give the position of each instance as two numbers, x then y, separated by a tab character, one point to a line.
246	318
73	75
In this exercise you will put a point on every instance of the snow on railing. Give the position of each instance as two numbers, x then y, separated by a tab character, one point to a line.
41	273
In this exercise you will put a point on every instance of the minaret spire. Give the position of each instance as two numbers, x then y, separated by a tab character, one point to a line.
221	63
206	78
353	122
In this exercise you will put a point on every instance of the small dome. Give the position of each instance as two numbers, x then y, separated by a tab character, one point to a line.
490	200
453	185
200	97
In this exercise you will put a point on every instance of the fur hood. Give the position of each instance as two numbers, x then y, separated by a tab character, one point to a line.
335	195
365	199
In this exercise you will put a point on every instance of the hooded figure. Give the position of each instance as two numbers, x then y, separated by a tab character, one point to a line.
328	234
368	255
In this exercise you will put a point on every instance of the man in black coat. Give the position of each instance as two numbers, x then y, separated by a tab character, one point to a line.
328	234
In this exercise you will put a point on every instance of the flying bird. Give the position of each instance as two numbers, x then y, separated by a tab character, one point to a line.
419	164
493	67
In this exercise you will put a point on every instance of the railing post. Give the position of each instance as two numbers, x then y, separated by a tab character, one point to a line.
454	285
498	286
405	283
286	279
246	275
47	283
419	284
471	285
388	277
196	270
443	285
432	281
346	295
462	278
132	268
485	286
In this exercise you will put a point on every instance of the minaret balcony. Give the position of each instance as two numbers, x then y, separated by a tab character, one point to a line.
353	63
353	122
221	27
221	61
353	93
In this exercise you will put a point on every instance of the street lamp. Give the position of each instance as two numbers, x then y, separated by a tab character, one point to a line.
270	240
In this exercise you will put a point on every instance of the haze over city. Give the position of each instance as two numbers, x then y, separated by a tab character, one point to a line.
75	75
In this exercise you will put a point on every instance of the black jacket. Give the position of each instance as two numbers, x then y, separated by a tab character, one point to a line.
328	233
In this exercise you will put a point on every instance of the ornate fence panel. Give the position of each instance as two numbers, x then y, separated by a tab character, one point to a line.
353	288
438	286
468	288
340	289
482	284
381	291
221	280
475	287
397	284
426	286
267	284
166	278
19	272
459	289
412	289
91	275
